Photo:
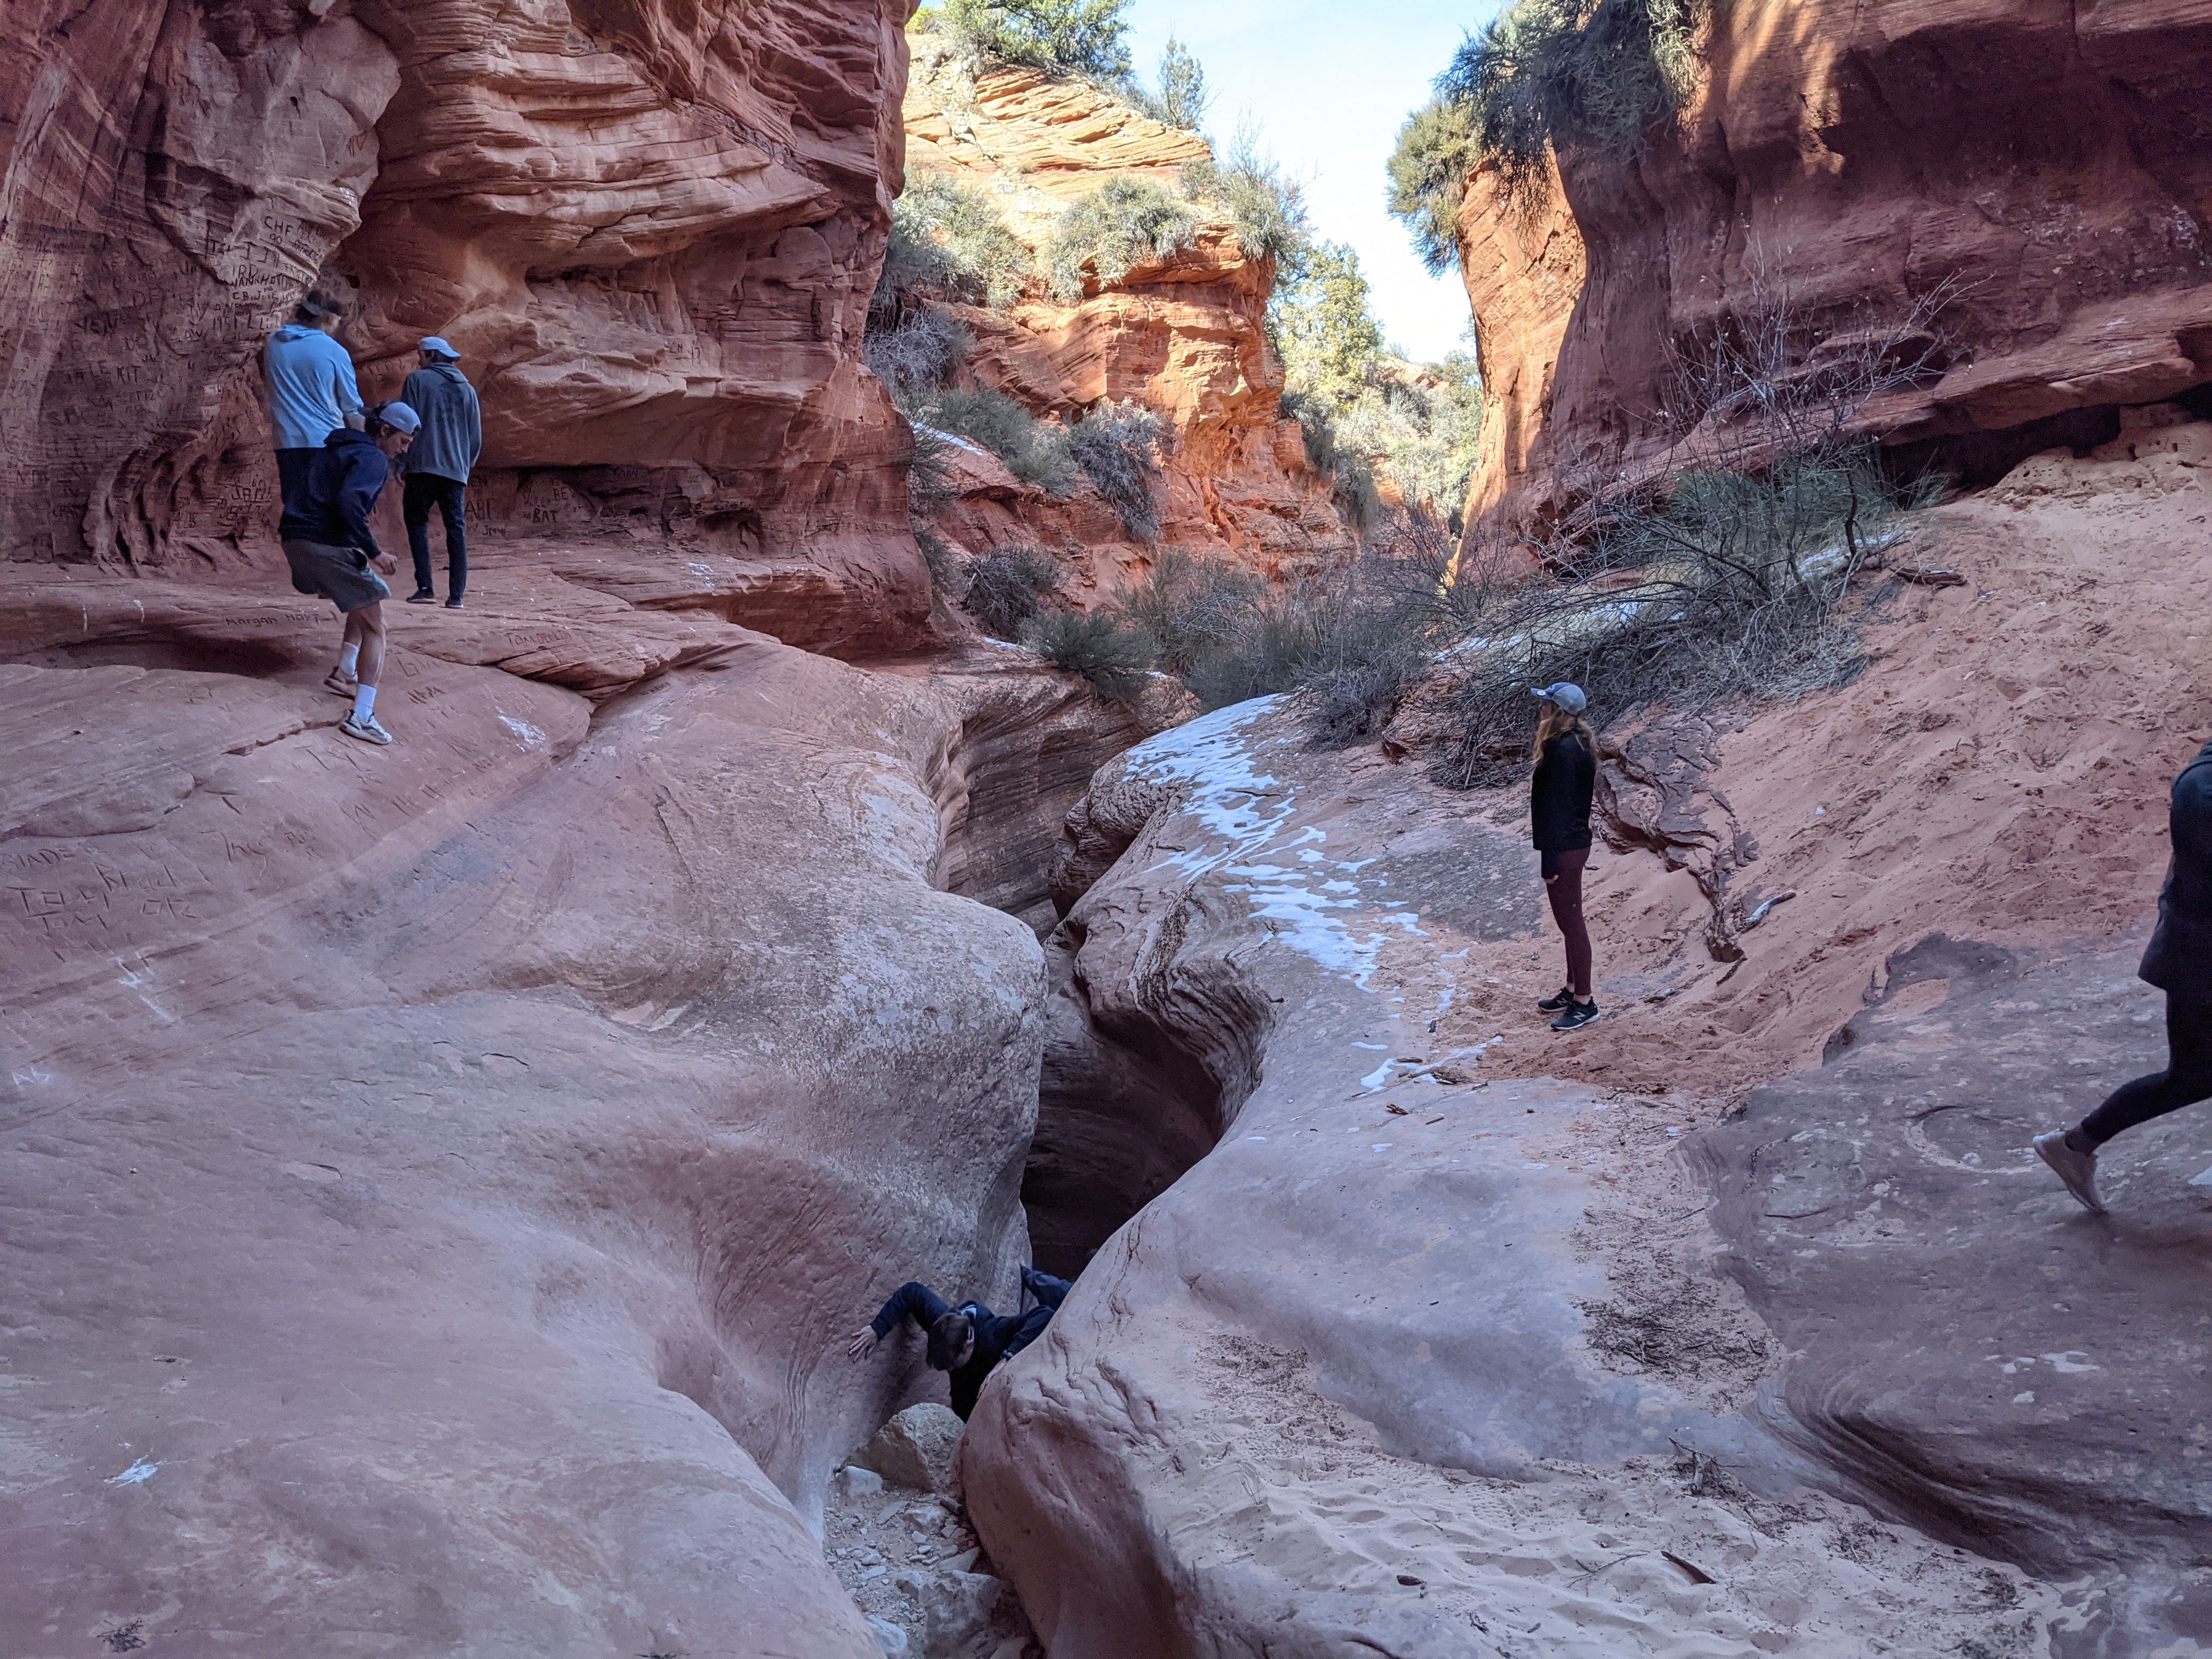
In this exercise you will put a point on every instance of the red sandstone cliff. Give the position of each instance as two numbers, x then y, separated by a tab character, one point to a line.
1182	336
2048	162
652	230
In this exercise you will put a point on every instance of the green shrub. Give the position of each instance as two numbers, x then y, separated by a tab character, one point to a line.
1718	584
1126	222
1353	637
1429	170
1074	37
1113	656
1325	334
1183	98
1550	72
919	354
1118	450
1264	205
936	554
931	479
1005	587
1037	452
948	238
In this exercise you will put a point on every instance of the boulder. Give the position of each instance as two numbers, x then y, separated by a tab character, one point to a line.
890	1638
955	1610
919	1448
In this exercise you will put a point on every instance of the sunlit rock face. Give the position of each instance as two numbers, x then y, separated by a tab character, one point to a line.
650	229
2041	172
1183	335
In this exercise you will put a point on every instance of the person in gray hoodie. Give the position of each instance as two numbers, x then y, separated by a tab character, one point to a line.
438	467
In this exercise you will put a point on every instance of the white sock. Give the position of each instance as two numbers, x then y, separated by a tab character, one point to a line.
348	657
364	704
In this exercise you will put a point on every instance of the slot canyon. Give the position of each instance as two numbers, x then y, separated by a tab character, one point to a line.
440	1181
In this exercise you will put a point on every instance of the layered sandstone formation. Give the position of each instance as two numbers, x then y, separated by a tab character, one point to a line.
1182	336
651	230
2039	169
1742	1322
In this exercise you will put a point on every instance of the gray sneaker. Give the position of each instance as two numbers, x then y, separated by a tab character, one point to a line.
368	731
2077	1170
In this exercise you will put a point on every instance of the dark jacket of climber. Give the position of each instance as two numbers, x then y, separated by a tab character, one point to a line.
332	504
969	1340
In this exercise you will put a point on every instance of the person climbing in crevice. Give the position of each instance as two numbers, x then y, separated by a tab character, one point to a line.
2179	962
1559	822
333	551
969	1340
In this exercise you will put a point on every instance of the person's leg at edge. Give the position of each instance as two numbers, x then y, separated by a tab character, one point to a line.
349	666
2186	1079
1564	888
372	660
415	510
452	504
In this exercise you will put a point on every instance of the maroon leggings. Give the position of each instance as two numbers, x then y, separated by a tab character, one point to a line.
1563	883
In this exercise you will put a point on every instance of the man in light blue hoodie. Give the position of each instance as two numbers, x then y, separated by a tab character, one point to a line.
438	466
311	387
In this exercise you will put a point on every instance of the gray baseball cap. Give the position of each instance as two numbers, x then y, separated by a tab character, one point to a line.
1564	693
436	347
400	418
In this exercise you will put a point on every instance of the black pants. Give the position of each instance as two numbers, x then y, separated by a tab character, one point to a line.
424	491
2186	1079
1562	886
292	466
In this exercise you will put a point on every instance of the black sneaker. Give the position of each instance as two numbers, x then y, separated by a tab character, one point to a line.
1562	997
453	604
1578	1015
422	596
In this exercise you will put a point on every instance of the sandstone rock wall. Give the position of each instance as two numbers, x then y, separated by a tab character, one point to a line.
2048	163
1182	336
650	229
447	1174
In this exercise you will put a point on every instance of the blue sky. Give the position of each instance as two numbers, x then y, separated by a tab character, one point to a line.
1329	82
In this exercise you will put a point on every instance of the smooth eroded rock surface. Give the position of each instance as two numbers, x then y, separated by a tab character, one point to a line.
439	1176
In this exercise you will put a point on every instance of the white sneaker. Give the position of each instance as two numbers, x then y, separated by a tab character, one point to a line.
2077	1170
367	730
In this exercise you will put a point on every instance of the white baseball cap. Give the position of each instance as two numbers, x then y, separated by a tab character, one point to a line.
400	418
431	343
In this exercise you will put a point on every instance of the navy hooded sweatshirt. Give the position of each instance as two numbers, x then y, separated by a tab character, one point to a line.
333	505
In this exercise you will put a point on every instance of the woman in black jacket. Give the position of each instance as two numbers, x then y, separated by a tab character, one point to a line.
1559	820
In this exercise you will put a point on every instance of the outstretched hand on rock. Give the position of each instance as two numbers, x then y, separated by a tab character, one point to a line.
864	1342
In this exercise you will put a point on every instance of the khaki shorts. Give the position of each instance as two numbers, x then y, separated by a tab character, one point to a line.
340	574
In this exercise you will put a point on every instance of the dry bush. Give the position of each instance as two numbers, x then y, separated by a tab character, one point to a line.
1006	588
1353	634
1114	656
1728	576
1118	449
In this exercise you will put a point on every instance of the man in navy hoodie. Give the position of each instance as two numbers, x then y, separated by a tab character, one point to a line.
331	548
2179	962
438	466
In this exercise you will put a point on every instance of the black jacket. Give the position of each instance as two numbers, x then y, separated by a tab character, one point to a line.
1559	794
333	505
2179	960
998	1336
